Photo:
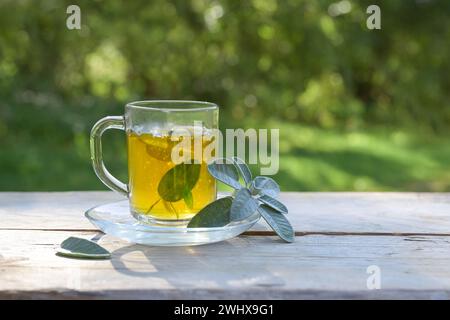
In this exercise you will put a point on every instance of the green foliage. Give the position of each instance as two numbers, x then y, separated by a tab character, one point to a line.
327	77
250	56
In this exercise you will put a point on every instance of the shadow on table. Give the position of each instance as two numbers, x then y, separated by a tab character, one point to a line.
214	265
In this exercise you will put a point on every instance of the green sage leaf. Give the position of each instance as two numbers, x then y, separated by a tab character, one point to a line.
224	170
187	196
277	222
243	205
215	214
81	248
265	185
169	207
243	170
159	148
273	203
177	180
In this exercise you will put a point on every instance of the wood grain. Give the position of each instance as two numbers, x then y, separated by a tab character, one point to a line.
339	235
354	213
314	266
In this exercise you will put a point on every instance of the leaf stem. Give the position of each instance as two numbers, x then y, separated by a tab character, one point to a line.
174	210
151	207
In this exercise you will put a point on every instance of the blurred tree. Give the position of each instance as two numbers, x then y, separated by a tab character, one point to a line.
310	61
301	63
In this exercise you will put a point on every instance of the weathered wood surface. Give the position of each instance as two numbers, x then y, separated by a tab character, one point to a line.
338	212
341	234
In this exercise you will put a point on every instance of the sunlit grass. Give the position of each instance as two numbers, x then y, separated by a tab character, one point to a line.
311	159
375	159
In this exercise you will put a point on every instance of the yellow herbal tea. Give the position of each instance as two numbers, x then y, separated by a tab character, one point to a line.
161	189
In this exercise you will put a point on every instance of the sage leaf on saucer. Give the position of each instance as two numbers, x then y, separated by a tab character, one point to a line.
265	186
273	203
258	196
215	214
277	222
243	205
80	248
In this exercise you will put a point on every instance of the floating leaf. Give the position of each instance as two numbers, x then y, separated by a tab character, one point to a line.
177	180
215	214
265	185
82	248
224	170
277	222
243	205
187	196
273	203
157	147
243	170
161	155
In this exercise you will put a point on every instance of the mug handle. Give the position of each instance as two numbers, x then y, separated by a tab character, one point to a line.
111	122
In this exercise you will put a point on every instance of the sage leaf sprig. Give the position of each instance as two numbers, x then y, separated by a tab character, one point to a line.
255	195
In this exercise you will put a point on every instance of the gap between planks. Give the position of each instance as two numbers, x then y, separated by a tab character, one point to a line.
269	233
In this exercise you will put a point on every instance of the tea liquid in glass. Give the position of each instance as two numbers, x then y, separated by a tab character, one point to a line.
162	190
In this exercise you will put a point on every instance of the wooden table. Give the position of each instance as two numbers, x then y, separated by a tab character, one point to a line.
403	237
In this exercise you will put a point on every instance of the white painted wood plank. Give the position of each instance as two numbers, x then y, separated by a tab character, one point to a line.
50	210
309	212
315	266
386	212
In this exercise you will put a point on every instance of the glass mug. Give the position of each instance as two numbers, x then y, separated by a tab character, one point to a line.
161	190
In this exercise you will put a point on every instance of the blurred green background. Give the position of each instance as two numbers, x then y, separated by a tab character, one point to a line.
357	109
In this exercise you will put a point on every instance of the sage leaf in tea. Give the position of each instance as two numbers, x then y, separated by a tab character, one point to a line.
158	152
243	205
215	214
277	222
265	185
177	180
187	196
224	170
81	248
273	203
170	208
243	170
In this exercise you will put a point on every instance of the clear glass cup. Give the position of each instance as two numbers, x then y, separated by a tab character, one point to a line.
167	158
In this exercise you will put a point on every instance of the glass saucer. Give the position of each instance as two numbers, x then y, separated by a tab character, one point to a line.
115	219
